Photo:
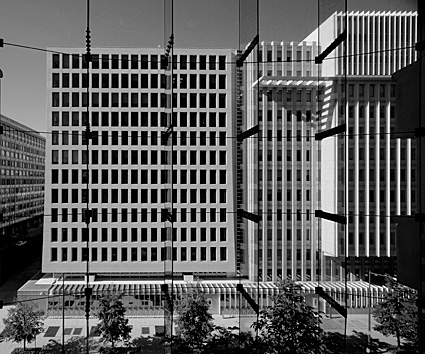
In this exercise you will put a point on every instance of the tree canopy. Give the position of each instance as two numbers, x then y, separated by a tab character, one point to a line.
194	320
290	325
113	325
24	322
397	314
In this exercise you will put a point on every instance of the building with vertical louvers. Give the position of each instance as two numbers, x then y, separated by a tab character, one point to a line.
294	175
282	185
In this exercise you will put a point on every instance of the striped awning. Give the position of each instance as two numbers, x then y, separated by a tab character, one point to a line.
225	288
353	287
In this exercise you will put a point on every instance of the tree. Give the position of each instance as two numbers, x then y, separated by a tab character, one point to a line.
147	345
229	340
397	313
194	321
72	346
196	331
24	322
290	325
113	325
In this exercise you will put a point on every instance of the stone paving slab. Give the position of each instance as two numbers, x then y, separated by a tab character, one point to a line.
51	331
359	323
77	331
329	325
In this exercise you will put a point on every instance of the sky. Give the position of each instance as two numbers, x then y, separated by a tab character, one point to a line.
140	23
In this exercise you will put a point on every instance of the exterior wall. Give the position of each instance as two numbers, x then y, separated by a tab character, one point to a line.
327	174
376	34
130	173
381	174
370	32
22	176
379	164
381	177
282	166
147	300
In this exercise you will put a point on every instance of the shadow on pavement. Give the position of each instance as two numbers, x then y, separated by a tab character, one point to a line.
356	344
77	345
9	288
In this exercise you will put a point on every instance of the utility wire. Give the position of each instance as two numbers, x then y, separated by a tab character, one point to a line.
188	137
109	58
188	212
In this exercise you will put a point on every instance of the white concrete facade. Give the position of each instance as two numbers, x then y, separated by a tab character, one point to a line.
131	177
283	189
380	178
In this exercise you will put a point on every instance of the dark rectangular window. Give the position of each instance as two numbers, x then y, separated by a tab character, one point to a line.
183	254
222	82
193	62
222	100
203	253
223	254
213	254
55	61
75	61
222	215
115	61
124	80
134	81
74	255
144	100
212	62
144	254
105	61
193	254
183	62
222	62
65	61
144	62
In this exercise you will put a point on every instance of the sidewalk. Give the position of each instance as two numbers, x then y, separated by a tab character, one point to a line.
357	323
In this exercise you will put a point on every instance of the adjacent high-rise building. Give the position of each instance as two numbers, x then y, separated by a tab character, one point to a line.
380	180
21	178
292	174
157	175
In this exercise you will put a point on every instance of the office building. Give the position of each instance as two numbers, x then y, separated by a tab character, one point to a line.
294	175
22	177
287	174
157	175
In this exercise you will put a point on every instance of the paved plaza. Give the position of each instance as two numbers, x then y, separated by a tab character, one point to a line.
76	327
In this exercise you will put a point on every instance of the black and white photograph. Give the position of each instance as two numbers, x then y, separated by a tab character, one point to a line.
212	176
